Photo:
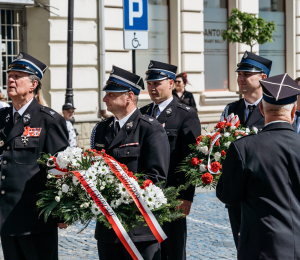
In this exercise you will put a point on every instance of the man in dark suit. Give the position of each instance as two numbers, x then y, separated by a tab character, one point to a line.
23	234
262	173
182	126
139	142
251	69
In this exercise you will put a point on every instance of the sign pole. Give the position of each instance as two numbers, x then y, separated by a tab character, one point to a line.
133	62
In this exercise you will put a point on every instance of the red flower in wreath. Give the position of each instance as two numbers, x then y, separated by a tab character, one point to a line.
228	124
200	161
217	143
209	136
199	139
220	125
130	174
215	166
195	161
85	154
207	178
147	183
223	153
134	177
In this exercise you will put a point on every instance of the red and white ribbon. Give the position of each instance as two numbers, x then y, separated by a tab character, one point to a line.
56	171
209	153
109	214
233	119
130	144
145	211
31	132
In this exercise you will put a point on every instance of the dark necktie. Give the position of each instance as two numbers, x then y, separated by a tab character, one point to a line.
16	117
117	128
250	107
155	109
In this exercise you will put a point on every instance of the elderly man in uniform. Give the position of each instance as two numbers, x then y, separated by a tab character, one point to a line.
262	173
27	129
139	142
182	126
251	70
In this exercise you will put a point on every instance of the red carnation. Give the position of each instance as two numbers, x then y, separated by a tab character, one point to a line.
142	187
85	154
217	143
147	183
215	166
223	153
207	178
206	167
228	124
195	161
209	136
199	139
200	161
220	125
129	173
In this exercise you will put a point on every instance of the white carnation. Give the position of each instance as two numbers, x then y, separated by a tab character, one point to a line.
227	134
233	127
255	129
49	176
202	168
227	144
57	198
75	180
217	156
203	149
65	188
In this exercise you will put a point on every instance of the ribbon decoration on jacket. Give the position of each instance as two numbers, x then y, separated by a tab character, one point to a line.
214	139
145	211
109	214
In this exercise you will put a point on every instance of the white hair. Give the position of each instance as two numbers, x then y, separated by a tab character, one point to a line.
272	107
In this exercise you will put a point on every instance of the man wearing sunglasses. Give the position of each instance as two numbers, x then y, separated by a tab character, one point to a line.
182	126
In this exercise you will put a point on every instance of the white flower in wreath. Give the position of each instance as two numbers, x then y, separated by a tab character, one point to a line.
227	134
104	170
122	190
227	144
233	127
113	204
65	188
59	193
150	200
110	178
49	176
91	174
84	205
202	168
238	137
57	198
217	156
95	209
247	130
75	180
203	149
118	202
255	129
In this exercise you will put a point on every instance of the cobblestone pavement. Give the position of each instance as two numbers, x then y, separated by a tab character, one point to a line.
209	234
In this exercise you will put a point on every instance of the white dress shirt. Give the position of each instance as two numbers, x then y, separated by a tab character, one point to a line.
22	109
247	104
123	120
161	106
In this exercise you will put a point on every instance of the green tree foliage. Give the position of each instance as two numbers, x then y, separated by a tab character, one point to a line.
247	28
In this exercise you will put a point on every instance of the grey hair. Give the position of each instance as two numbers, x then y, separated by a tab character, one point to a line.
272	107
135	99
39	86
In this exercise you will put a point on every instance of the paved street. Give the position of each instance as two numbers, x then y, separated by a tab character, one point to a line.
209	234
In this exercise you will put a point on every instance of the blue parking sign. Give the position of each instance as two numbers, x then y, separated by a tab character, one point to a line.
136	15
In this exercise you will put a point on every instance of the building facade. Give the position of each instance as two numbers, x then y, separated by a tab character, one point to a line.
186	33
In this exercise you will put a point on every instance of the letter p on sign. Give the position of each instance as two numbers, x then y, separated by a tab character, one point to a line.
135	14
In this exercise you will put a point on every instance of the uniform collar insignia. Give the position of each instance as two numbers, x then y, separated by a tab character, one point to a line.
188	108
26	118
169	111
129	125
52	112
7	118
151	119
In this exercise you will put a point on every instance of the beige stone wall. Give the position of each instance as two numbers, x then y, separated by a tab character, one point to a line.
84	131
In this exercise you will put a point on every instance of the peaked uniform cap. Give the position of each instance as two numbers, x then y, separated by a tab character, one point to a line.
122	81
254	63
160	71
280	89
26	63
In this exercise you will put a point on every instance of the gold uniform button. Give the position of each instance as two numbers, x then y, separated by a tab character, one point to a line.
3	192
4	162
3	177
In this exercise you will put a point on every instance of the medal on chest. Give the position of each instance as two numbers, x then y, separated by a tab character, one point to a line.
30	132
